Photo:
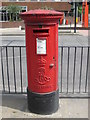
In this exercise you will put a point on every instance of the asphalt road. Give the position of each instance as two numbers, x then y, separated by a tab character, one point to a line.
64	40
12	40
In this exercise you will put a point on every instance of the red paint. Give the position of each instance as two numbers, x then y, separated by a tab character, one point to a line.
42	24
66	22
85	14
61	21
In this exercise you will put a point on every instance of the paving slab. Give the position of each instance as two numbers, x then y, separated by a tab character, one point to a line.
11	31
15	106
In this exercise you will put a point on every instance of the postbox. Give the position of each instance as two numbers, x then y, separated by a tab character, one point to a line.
41	28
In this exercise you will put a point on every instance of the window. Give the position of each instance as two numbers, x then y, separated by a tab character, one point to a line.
5	16
21	0
24	8
43	0
33	0
12	0
15	0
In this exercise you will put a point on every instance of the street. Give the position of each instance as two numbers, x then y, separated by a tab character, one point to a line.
12	40
74	81
64	40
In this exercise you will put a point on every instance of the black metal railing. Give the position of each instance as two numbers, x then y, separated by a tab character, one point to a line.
73	70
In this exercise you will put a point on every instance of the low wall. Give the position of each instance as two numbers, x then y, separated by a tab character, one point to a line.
12	24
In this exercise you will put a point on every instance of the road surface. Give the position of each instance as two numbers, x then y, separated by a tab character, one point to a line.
65	40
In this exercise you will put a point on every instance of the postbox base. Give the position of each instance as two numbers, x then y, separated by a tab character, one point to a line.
43	103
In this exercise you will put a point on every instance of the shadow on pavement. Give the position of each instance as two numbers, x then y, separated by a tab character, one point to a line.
18	102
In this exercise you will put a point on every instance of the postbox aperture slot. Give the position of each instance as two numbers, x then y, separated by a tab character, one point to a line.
41	46
41	31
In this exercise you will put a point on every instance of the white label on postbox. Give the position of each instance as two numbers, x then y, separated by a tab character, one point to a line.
41	46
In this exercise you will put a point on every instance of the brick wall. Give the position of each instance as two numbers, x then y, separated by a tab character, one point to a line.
12	24
60	6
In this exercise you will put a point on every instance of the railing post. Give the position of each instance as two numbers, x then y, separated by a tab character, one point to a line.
75	17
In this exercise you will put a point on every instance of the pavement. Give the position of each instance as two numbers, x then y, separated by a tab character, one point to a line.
11	32
15	106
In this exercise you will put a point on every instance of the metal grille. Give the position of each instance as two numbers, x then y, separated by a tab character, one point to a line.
73	70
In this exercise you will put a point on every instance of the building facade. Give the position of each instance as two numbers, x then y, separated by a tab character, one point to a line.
27	5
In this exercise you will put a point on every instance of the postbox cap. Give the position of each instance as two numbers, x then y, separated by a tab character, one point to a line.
42	12
39	15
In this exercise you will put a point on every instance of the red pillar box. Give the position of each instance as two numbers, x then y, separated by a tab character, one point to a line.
41	28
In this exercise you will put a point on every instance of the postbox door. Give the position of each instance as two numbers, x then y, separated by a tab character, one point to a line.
46	70
43	63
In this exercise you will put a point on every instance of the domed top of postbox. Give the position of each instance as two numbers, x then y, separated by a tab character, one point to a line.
39	15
